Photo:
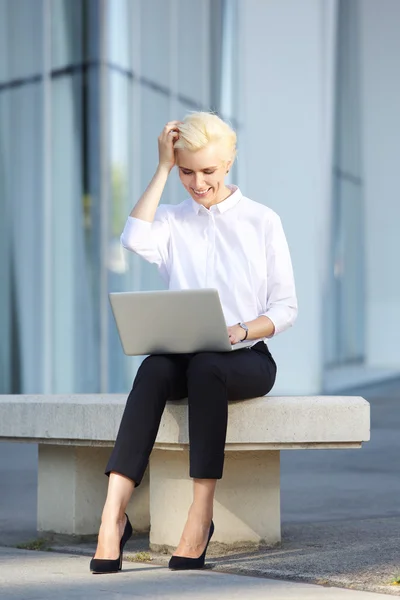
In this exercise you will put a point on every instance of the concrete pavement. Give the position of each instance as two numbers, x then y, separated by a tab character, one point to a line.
28	575
362	555
18	491
325	485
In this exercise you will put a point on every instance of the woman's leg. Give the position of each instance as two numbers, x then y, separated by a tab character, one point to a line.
159	378
113	519
213	379
195	533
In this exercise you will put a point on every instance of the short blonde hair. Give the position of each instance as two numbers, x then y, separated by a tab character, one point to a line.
200	128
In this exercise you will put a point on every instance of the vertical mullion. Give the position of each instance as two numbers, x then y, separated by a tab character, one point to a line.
205	28
136	157
173	79
104	193
47	384
228	39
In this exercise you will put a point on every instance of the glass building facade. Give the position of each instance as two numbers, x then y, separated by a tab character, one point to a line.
86	86
346	296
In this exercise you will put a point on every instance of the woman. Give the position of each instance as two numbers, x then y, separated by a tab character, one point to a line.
216	238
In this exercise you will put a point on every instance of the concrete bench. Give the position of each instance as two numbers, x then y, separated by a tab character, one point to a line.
75	434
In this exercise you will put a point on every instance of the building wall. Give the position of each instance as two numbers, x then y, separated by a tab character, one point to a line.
160	72
379	23
319	109
21	192
85	88
285	157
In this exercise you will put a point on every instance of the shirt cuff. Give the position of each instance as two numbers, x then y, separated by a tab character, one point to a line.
282	317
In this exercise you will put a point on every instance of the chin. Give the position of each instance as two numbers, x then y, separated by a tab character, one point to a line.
208	198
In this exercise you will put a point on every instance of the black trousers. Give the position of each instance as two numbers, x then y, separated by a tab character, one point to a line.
209	380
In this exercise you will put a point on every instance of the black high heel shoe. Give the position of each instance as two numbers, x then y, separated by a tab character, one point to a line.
105	565
180	563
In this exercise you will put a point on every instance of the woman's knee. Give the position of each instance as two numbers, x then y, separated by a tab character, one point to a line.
156	366
205	365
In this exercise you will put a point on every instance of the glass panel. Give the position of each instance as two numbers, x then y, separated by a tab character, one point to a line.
4	26
91	213
21	34
22	235
229	60
193	54
121	264
119	19
154	116
129	178
155	41
5	245
348	100
351	288
75	333
67	18
346	298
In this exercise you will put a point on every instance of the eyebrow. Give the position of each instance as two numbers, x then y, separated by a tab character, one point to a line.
205	168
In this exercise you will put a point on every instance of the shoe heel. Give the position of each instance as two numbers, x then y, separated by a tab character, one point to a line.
181	563
98	565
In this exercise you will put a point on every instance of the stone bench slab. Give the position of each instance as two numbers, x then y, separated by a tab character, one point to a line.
271	422
75	434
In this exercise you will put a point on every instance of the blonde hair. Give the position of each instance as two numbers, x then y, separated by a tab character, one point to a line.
200	128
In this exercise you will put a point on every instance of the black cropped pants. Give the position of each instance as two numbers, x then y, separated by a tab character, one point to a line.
209	380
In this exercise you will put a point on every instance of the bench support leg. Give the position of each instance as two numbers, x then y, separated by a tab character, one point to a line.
72	490
247	499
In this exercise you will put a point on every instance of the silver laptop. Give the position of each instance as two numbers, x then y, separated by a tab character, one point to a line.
171	322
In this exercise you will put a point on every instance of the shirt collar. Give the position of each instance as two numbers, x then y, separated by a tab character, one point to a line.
223	206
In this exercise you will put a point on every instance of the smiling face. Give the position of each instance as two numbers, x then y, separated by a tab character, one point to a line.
203	173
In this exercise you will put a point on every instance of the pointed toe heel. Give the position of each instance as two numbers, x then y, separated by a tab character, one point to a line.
101	565
104	565
182	563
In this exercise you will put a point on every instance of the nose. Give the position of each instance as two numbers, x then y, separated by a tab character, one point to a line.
198	179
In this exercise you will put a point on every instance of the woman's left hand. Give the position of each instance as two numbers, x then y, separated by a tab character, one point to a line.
236	334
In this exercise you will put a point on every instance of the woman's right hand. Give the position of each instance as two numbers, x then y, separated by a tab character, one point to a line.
166	141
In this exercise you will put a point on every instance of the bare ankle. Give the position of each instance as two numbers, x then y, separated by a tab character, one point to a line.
201	511
112	515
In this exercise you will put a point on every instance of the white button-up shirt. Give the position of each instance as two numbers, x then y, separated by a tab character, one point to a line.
237	247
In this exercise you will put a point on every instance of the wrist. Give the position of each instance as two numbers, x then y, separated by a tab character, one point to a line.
164	169
244	331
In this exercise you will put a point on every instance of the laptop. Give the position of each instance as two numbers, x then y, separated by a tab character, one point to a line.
171	322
